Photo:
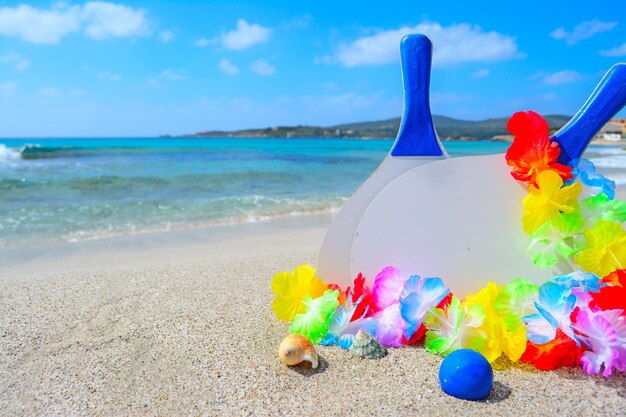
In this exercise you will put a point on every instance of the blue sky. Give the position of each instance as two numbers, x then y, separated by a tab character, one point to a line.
142	68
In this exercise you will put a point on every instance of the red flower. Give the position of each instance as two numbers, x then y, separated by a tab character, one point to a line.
532	151
613	296
562	351
359	289
617	277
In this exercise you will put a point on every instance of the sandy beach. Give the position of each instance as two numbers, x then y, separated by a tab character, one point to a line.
162	161
182	325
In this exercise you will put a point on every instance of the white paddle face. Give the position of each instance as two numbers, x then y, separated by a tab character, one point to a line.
334	258
417	144
458	219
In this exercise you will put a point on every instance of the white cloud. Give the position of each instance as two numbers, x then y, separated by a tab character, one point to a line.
166	36
108	20
104	75
585	30
452	45
19	63
262	67
37	25
245	36
173	75
8	87
617	51
97	19
560	77
10	57
482	73
50	92
202	42
168	75
228	67
22	64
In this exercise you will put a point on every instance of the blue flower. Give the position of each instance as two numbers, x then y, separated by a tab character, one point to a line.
554	307
583	281
418	296
585	171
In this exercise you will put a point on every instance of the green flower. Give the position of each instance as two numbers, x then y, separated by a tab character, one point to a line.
555	239
600	207
318	313
454	328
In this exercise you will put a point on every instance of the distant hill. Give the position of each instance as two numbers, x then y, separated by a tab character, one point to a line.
448	128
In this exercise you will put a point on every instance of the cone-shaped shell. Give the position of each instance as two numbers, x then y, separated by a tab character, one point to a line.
366	346
296	348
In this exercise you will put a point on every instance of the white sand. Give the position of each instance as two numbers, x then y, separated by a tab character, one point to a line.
187	329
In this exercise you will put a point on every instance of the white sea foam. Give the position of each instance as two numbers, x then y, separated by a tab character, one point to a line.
9	154
617	161
606	150
620	179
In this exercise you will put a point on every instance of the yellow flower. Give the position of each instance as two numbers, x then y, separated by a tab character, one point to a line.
291	288
548	200
605	249
499	338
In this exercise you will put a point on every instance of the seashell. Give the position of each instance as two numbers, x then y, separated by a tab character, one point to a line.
296	348
366	346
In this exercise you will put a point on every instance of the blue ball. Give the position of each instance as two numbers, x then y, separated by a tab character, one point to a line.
466	374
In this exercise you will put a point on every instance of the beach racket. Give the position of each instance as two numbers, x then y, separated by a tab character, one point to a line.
460	219
416	145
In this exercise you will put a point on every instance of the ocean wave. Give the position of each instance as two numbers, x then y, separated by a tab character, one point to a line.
86	222
617	161
9	154
606	150
31	151
34	151
620	179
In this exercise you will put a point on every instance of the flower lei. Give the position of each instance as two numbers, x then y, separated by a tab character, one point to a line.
571	215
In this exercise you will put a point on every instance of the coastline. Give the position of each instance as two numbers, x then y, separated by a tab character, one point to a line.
77	190
183	324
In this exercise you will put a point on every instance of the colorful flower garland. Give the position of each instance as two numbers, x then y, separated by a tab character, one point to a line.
569	320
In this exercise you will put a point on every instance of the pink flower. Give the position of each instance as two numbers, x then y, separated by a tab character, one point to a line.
388	286
605	331
390	326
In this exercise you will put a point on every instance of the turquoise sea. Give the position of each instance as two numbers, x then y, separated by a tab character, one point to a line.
73	189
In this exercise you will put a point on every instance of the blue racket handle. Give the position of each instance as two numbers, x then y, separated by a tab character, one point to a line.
607	99
416	136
